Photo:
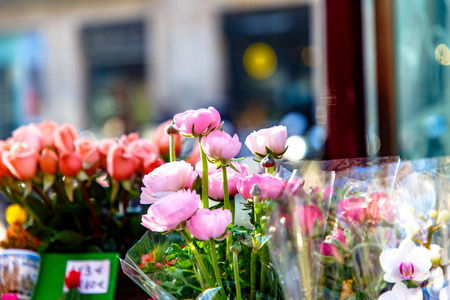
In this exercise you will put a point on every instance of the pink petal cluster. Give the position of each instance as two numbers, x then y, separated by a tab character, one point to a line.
381	206
166	179
169	212
270	185
21	160
208	224
352	211
306	216
197	122
328	248
215	181
219	145
273	138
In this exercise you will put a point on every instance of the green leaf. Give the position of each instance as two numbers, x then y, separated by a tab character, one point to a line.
325	259
70	240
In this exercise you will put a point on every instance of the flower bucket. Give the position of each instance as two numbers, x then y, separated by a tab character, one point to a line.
19	270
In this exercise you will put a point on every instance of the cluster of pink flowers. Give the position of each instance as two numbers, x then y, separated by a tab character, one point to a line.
176	206
50	148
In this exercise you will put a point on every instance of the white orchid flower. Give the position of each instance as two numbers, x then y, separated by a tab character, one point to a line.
401	291
407	262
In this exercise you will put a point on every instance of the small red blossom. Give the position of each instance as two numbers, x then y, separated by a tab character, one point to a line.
72	280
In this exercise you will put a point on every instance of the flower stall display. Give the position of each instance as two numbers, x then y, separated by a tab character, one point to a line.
81	193
385	238
19	261
203	251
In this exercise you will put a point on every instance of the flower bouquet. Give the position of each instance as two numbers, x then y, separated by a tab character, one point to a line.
383	238
198	246
80	192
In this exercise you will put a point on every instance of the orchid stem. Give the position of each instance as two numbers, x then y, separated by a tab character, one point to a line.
205	199
172	148
198	257
212	245
236	276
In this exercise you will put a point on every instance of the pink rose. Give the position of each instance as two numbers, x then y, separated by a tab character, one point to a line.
197	122
380	206
219	145
306	216
323	194
48	161
352	211
162	140
215	181
103	147
30	134
151	162
120	164
70	163
168	178
328	248
271	186
208	224
141	149
21	160
167	213
127	139
48	128
87	149
64	136
273	138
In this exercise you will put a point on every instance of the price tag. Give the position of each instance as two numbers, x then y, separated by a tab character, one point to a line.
94	275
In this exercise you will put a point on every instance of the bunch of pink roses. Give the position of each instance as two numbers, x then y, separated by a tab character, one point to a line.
229	257
76	189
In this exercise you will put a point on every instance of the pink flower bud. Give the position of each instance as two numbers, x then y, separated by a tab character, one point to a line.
328	248
273	138
70	163
30	134
48	128
103	148
48	161
208	224
90	157
219	145
197	122
352	211
120	164
64	136
168	178
21	160
381	206
167	213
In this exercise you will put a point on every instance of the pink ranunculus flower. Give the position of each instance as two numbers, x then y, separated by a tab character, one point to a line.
273	138
48	128
306	216
381	206
103	147
407	262
70	163
168	178
208	224
197	122
30	134
270	185
215	181
48	161
328	248
21	160
87	149
168	212
120	164
219	145
64	136
352	211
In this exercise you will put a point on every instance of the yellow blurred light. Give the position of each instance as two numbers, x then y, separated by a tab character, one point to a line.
16	214
260	61
442	54
312	56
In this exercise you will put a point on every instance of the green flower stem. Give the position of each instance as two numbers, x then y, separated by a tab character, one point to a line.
263	259
199	258
205	199
270	170
256	215
232	209
172	148
236	276
96	222
253	261
44	198
215	263
226	196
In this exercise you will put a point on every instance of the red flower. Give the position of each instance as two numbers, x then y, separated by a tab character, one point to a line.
72	281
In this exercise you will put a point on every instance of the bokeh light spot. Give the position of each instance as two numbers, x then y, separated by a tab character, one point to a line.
260	61
312	56
442	54
296	148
